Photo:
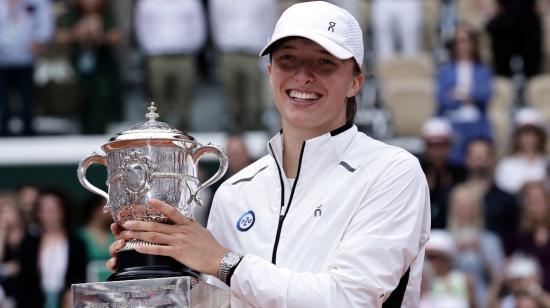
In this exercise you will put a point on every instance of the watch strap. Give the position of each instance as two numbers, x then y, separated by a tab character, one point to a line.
231	272
228	264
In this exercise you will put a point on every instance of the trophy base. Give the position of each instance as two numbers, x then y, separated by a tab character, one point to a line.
180	292
132	265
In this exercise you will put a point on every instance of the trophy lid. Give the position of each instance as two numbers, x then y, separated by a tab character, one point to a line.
151	129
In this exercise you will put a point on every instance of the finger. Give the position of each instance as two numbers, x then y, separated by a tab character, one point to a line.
111	264
150	227
115	228
151	237
169	211
158	250
115	246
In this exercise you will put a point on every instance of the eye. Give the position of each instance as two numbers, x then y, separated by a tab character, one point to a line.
325	61
287	57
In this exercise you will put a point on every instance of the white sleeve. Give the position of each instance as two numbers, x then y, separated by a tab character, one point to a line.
507	177
385	236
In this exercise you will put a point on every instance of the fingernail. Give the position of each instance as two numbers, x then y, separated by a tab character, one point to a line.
127	224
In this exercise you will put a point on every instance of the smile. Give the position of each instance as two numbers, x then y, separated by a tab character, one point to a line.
304	96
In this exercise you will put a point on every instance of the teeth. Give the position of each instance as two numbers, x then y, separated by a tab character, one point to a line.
303	95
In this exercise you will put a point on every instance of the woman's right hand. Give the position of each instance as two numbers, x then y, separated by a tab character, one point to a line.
115	246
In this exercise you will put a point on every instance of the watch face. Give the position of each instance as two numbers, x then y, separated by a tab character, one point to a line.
232	258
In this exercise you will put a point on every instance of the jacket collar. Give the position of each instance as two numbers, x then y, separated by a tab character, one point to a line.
318	153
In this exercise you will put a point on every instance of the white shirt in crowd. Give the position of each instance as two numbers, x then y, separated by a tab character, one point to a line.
396	21
170	26
53	262
242	25
513	172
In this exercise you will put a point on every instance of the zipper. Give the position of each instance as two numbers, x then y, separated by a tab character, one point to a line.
283	215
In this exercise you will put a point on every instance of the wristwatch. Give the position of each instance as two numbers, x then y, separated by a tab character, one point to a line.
229	262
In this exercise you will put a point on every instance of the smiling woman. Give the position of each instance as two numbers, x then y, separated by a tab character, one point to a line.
330	217
311	86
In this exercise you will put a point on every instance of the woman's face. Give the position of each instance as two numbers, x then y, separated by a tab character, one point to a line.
528	140
50	213
439	261
464	209
9	216
310	86
536	203
91	6
464	48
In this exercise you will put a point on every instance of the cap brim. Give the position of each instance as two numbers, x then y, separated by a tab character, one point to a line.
330	46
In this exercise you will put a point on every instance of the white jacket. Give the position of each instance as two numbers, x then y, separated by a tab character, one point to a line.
354	224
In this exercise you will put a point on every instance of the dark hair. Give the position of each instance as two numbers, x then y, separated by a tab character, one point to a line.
474	38
91	204
65	203
480	139
351	102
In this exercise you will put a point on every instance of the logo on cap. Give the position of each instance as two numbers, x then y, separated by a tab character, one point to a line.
331	26
246	221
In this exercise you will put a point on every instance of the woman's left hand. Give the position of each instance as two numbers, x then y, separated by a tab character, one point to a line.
186	240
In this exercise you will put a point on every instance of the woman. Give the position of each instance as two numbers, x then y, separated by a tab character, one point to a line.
331	217
12	231
527	159
96	237
448	286
479	252
463	92
55	259
534	237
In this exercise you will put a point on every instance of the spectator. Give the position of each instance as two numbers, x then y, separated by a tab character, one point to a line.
55	259
442	175
516	31
3	299
479	252
396	21
238	157
533	239
520	284
12	231
237	154
27	195
527	159
90	29
96	237
463	92
25	26
448	286
170	33
240	29
500	209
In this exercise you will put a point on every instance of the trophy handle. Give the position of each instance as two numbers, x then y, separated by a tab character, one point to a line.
81	172
222	158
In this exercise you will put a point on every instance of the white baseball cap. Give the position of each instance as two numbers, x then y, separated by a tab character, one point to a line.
328	25
522	267
441	241
437	127
528	116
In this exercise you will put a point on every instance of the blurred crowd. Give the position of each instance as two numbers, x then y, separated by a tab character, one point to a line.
470	78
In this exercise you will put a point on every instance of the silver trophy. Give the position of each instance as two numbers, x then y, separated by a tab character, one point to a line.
150	160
